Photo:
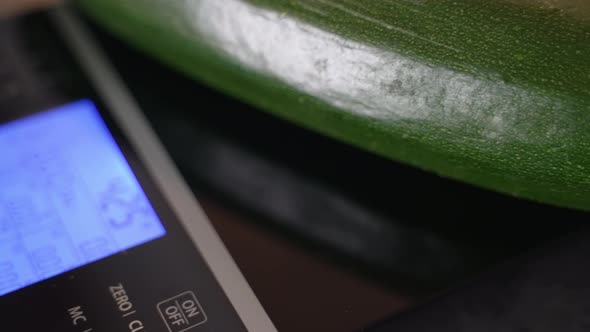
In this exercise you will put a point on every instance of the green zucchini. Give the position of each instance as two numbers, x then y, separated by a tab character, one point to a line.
493	93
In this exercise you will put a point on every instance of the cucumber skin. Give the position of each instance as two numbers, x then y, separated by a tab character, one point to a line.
539	61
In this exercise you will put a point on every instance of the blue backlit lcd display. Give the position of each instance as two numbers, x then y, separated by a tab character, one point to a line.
68	197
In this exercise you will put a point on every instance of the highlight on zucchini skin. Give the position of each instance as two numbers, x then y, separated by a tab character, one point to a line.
493	93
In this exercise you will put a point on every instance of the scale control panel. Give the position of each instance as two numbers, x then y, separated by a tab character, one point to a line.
89	242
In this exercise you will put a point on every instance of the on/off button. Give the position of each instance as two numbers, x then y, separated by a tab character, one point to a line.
182	312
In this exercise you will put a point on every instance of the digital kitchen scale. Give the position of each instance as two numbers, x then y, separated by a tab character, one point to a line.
98	232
